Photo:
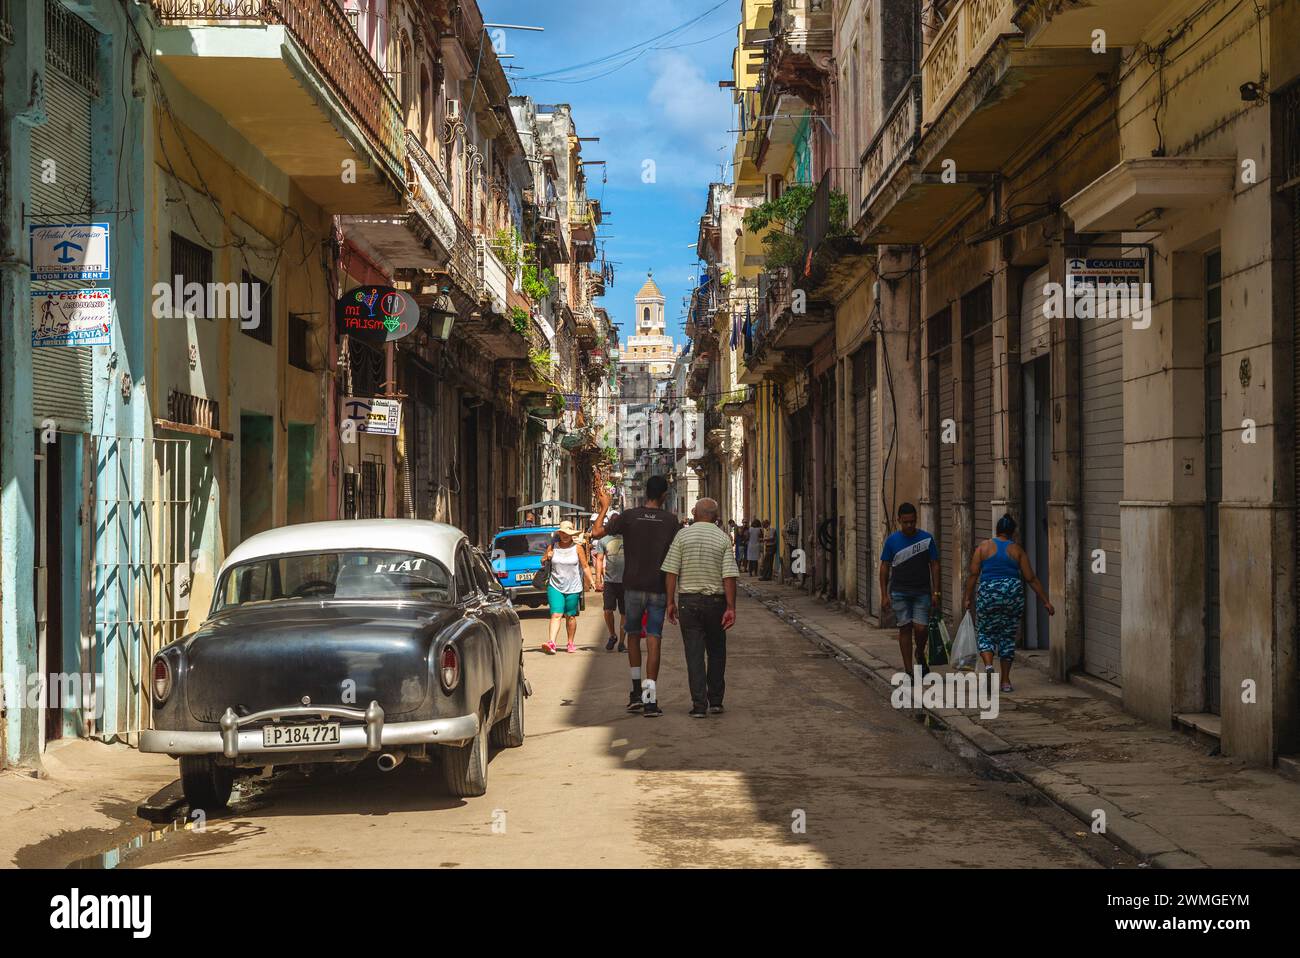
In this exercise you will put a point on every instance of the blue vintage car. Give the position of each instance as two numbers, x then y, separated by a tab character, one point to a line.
334	641
517	557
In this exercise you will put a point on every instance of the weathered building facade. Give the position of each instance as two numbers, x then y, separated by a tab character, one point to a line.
251	164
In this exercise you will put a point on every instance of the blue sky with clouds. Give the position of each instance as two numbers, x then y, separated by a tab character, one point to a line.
659	101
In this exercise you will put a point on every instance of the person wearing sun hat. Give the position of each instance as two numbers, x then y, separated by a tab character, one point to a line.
570	574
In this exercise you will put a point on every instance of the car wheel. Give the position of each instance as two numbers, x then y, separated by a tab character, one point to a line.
205	783
464	767
509	732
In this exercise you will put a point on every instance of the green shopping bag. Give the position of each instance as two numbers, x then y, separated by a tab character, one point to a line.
938	653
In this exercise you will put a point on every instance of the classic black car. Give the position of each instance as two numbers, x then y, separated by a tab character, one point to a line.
333	641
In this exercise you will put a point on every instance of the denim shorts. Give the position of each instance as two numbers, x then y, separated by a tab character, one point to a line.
638	603
910	609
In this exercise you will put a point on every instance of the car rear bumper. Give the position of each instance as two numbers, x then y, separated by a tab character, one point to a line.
234	741
526	594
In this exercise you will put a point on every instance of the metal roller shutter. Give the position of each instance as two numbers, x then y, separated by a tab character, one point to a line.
1102	398
1295	332
947	484
62	375
864	491
982	412
874	508
1035	327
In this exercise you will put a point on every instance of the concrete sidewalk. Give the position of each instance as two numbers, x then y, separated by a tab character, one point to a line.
1165	799
84	804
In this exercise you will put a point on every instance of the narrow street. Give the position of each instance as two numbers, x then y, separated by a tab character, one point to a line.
595	786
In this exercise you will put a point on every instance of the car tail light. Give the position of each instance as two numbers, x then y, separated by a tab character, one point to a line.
501	575
162	679
450	668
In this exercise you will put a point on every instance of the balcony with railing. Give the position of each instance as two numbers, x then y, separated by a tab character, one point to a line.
1053	24
890	152
494	277
793	78
983	96
833	258
295	80
585	325
424	235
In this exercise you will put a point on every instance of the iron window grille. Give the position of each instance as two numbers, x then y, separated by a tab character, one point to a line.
192	263
71	44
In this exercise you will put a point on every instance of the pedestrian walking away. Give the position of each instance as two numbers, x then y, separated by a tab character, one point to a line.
569	572
909	585
752	550
609	549
647	533
1002	571
700	576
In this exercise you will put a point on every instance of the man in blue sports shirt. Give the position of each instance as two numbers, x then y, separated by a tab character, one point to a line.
909	584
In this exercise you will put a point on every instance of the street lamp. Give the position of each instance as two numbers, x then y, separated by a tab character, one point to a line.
442	314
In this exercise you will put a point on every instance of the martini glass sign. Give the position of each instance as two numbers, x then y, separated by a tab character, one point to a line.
377	313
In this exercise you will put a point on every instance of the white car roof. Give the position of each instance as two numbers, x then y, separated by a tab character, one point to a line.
436	539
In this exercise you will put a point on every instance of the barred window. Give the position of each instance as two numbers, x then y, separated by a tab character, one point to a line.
192	263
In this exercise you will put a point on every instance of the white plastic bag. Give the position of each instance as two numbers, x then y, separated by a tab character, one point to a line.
965	648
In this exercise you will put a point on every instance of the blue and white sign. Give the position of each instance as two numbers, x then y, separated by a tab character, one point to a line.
72	317
378	417
70	251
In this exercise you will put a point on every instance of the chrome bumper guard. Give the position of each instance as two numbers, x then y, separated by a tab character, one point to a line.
233	740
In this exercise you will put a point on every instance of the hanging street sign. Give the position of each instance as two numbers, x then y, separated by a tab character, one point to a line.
378	417
72	317
377	314
69	251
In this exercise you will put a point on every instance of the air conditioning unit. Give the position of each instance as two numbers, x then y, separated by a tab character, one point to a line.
453	109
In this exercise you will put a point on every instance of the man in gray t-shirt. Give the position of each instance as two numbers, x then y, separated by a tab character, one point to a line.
609	549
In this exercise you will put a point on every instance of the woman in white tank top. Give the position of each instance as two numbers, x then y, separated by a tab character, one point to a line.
569	574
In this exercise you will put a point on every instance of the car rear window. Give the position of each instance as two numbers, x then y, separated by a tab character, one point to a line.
522	544
335	575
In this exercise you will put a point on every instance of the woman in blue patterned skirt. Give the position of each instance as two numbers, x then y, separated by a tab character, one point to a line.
1002	570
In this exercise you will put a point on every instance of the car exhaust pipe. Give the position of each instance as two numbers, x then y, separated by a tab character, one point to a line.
390	760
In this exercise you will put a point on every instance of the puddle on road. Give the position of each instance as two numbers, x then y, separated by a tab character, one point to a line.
245	797
113	857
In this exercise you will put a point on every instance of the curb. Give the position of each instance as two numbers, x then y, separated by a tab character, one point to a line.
1080	800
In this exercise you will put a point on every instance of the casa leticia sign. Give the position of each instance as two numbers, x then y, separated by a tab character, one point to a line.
377	313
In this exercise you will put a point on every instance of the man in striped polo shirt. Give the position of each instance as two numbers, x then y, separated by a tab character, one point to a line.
700	571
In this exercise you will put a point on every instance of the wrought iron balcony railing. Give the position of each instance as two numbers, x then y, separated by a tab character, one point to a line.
325	32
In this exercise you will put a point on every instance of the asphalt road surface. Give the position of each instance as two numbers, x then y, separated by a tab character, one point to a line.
808	767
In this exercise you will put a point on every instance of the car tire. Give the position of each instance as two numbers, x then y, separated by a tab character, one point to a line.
509	732
205	783
464	767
